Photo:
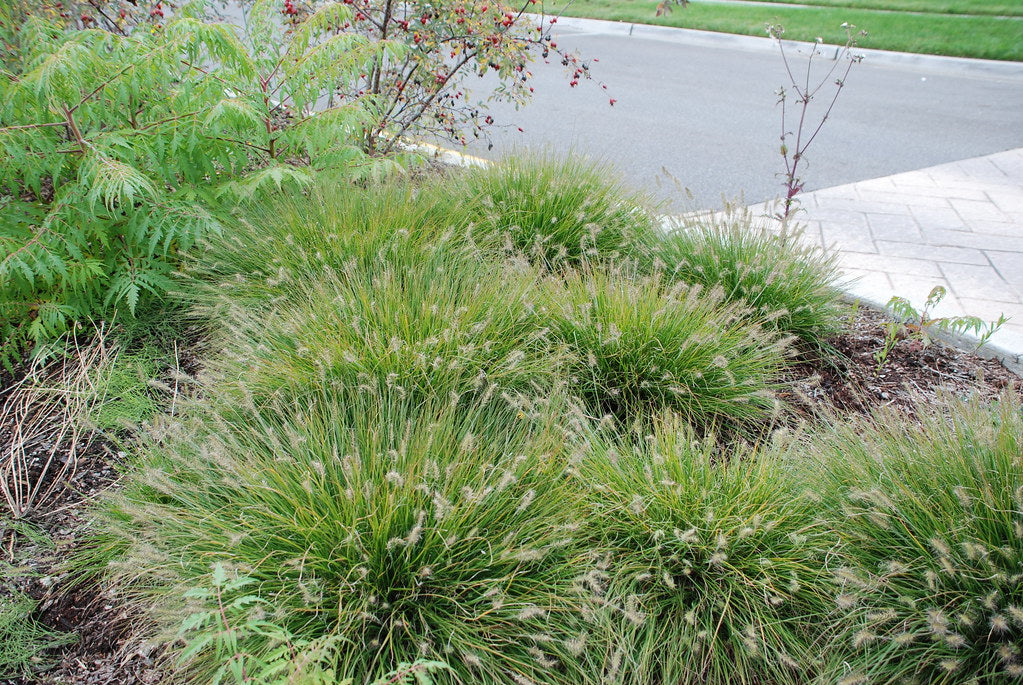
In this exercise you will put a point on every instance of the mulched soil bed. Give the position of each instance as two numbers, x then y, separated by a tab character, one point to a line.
854	383
107	652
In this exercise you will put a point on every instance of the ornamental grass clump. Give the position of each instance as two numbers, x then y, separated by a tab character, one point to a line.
384	528
789	285
441	327
929	582
281	241
641	346
715	566
558	212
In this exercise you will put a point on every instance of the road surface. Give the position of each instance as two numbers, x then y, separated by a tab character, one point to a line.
707	114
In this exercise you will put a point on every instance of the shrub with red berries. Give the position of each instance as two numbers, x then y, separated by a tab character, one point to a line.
117	16
424	90
448	41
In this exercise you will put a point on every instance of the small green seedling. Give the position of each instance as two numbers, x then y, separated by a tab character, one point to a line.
920	325
238	613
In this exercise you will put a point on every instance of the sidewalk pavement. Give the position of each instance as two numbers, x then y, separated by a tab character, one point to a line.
958	225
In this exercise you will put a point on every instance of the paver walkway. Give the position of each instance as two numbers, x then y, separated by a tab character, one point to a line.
959	225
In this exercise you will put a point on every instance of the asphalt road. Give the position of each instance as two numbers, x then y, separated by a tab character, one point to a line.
707	114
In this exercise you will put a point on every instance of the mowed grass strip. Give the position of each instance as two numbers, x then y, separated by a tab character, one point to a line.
986	37
1002	8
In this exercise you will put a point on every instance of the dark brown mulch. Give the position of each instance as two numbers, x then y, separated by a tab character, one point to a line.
853	382
107	650
104	651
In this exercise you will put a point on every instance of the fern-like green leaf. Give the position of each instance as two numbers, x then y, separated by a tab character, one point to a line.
233	112
275	175
320	23
113	182
262	26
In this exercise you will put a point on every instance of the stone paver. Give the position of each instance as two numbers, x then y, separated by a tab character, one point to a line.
959	225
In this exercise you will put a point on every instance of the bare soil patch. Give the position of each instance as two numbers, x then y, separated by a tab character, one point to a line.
912	372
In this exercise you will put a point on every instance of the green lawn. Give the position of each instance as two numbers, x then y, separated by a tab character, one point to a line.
987	37
993	7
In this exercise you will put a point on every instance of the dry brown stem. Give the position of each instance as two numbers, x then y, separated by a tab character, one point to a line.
44	423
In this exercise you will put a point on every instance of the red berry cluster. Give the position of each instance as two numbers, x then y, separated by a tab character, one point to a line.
576	74
157	11
289	8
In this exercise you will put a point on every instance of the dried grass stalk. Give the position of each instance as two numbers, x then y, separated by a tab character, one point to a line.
44	423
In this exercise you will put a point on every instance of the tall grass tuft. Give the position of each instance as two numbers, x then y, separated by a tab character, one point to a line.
558	212
642	346
438	326
280	242
715	567
793	287
930	578
393	529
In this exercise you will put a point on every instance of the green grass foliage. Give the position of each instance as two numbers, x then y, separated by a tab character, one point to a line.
793	287
715	567
371	287
23	640
996	7
399	455
930	579
282	241
642	345
557	212
444	327
407	529
129	390
977	35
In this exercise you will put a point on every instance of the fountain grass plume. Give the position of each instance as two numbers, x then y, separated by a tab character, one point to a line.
643	345
716	564
407	529
929	582
557	212
788	285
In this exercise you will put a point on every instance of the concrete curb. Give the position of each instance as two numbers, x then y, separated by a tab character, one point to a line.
927	63
446	155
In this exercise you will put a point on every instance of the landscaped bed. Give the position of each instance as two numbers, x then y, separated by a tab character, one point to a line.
275	411
498	427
